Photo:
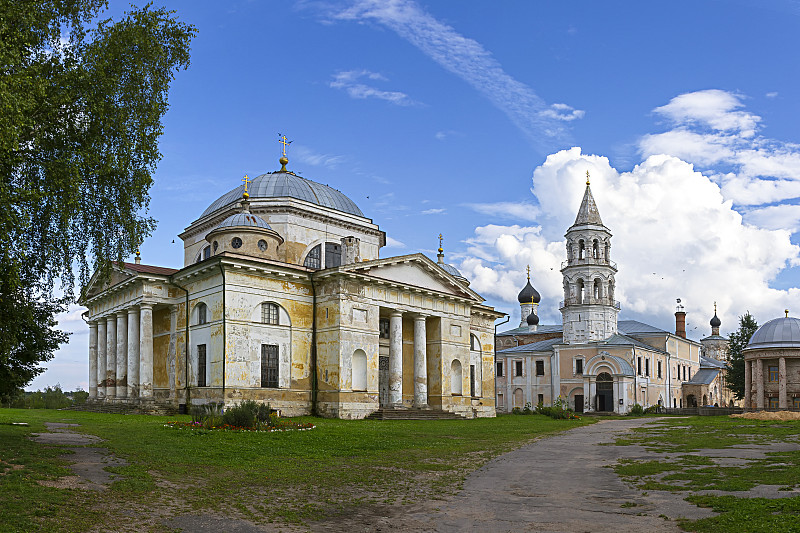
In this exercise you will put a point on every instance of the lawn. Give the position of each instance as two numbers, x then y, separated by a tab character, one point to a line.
296	477
688	456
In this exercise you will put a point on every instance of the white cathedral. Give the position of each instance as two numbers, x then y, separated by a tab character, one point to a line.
283	298
594	362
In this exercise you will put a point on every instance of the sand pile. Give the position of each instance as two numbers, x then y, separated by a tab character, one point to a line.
769	415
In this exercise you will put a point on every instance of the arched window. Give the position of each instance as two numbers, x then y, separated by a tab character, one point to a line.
359	369
314	257
580	291
596	290
596	249
611	291
474	343
202	313
455	377
269	314
581	249
605	255
207	252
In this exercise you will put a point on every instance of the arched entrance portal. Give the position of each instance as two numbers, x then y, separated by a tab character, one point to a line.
605	392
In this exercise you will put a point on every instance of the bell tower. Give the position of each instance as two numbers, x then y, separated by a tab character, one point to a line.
589	312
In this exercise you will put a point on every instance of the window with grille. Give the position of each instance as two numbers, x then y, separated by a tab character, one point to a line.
383	326
314	257
773	403
202	313
773	374
540	368
201	365
269	314
269	365
333	254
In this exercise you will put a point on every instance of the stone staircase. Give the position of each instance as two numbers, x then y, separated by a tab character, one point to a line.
120	408
386	413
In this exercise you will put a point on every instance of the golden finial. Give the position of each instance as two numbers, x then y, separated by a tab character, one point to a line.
441	250
528	268
715	308
246	182
587	177
787	313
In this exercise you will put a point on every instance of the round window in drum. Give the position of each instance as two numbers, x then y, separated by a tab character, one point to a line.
236	242
262	245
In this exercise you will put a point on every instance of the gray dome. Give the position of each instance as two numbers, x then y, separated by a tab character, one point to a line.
533	319
716	322
287	185
453	271
777	333
529	295
246	220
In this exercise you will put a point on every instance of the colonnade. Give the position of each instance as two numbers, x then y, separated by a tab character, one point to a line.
396	360
121	354
754	370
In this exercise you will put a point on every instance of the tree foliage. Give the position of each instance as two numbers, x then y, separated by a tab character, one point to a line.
81	107
734	372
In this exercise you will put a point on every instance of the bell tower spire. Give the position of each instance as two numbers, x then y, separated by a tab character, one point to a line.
589	311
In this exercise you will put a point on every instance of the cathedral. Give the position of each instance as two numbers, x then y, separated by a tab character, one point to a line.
283	298
594	362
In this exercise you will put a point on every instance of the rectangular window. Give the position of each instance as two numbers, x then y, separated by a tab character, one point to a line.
206	252
773	403
684	373
579	366
773	374
796	402
269	365
639	365
517	368
499	369
647	366
269	314
383	326
333	254
500	400
201	365
540	400
472	380
659	370
540	368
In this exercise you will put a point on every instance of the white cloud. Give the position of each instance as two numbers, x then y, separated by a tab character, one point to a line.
710	130
306	155
434	211
666	218
775	217
522	211
773	94
394	243
467	59
563	112
348	81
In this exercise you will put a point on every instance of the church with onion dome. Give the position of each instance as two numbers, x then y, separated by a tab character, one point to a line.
284	298
593	362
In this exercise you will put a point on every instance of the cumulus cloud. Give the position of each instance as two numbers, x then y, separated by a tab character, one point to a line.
675	236
467	59
711	130
349	81
563	112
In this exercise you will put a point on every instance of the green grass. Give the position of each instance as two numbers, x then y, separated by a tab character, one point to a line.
293	476
678	464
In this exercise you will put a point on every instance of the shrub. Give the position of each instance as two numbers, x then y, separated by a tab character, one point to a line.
636	410
240	416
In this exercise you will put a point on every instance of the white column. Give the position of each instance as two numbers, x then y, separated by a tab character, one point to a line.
172	355
93	359
146	351
759	383
396	358
101	359
782	396
133	352
748	384
122	354
420	363
111	356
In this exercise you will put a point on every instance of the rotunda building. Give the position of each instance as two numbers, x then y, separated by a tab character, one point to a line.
772	365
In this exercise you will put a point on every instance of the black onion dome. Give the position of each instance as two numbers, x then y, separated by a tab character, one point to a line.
533	319
716	322
529	294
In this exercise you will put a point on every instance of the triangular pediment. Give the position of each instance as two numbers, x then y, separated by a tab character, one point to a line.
414	270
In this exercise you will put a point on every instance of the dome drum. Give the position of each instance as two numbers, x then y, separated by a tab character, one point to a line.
245	234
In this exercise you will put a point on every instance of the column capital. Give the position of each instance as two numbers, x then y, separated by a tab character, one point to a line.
419	316
146	305
396	312
132	310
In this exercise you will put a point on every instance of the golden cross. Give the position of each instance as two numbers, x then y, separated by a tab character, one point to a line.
246	181
587	177
284	142
440	243
529	272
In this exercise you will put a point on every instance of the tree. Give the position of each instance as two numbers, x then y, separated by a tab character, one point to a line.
734	371
81	107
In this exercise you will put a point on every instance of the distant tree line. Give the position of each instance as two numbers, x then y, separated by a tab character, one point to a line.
49	398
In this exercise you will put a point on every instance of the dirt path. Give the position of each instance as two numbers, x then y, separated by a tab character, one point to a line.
560	483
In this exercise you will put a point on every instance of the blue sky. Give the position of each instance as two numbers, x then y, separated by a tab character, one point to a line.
479	120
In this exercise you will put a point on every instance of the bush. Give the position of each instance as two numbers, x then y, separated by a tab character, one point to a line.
240	416
636	410
558	411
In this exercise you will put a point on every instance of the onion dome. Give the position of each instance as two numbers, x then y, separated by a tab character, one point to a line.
715	322
777	333
528	294
286	184
533	319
